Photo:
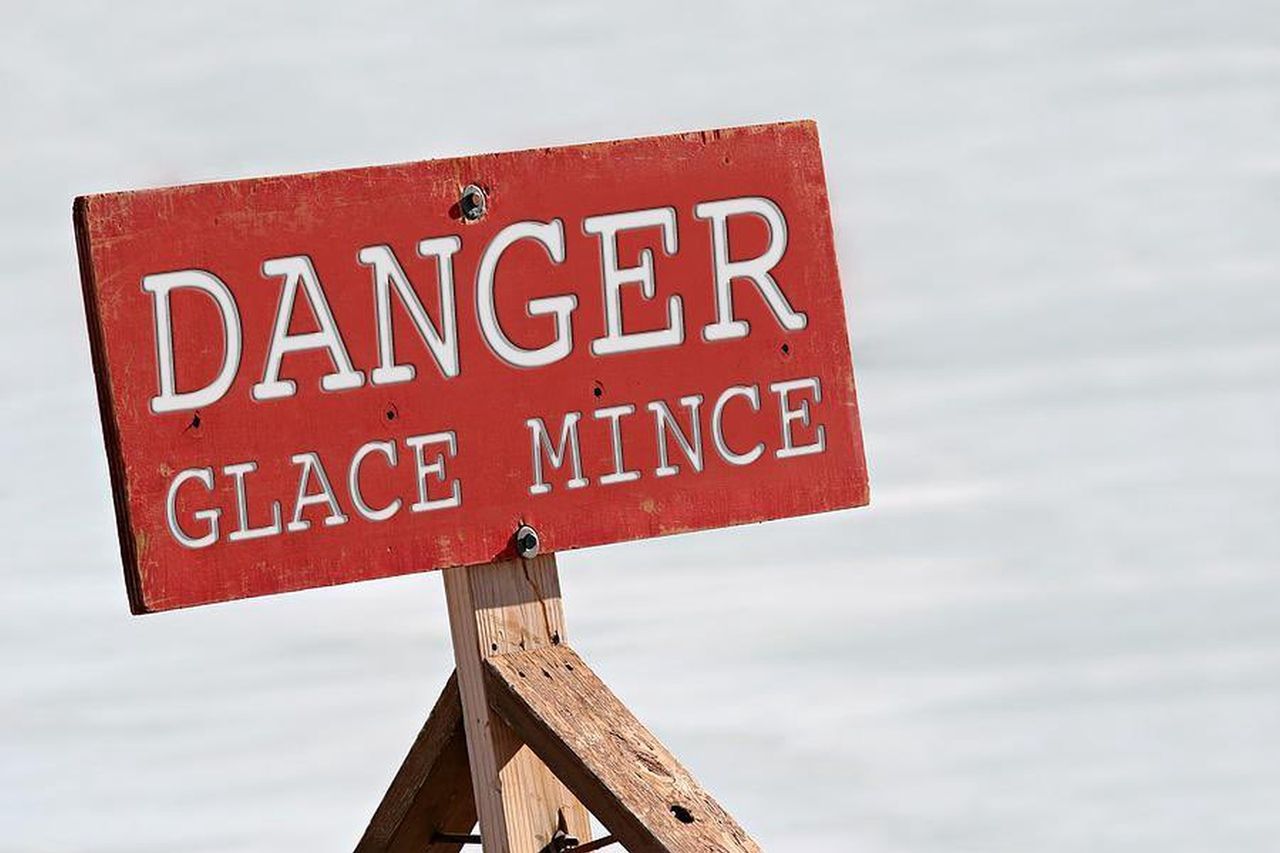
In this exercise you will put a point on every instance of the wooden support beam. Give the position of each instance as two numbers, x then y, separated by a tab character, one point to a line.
495	610
588	738
431	793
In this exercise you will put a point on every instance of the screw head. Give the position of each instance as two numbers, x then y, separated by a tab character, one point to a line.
473	203
527	542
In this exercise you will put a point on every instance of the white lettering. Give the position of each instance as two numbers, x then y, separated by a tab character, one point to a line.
418	442
556	455
789	415
388	274
614	415
160	286
757	269
752	393
387	449
310	463
607	228
205	476
664	421
297	269
244	531
551	236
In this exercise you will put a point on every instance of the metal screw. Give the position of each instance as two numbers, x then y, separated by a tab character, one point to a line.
473	203
527	542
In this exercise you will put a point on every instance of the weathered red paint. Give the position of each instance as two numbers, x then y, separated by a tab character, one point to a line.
230	228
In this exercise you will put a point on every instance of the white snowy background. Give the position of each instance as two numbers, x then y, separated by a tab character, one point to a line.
1056	629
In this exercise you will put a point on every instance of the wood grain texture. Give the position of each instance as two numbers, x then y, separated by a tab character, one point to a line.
431	793
495	610
629	780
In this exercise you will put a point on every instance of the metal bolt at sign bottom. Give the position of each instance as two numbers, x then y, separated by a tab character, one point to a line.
527	542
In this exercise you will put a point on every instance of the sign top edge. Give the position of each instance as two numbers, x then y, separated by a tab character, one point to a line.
86	201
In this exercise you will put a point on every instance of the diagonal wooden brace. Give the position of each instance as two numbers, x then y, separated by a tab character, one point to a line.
629	781
544	741
431	794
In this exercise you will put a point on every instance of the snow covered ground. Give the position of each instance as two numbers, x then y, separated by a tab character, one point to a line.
1057	628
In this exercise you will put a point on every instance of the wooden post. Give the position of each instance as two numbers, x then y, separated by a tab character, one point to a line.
498	609
523	697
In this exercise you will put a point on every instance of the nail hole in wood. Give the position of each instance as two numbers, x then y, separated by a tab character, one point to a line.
682	814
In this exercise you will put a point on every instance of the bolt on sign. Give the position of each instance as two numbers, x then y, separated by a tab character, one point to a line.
322	378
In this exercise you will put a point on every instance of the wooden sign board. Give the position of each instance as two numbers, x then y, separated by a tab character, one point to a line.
323	378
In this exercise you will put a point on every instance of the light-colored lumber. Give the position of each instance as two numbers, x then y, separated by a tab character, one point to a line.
494	610
588	738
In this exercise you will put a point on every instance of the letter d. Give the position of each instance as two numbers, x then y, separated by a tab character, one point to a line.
160	286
